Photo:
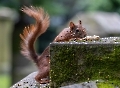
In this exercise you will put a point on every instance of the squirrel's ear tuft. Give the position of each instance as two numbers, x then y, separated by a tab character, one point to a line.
80	22
72	25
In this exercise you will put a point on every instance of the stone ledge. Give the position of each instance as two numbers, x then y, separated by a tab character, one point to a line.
29	82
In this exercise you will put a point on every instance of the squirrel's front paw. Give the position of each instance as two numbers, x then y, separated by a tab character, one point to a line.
42	81
75	39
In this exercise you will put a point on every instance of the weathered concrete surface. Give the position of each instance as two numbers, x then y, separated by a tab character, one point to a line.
91	84
29	82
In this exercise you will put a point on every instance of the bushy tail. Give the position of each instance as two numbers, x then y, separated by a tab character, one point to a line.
32	32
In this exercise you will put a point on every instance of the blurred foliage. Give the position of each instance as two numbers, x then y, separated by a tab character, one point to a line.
52	6
104	5
62	6
4	81
10	3
66	7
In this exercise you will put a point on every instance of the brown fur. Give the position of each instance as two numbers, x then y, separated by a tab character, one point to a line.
32	32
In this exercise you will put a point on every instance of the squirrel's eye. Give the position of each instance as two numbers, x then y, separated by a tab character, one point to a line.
77	30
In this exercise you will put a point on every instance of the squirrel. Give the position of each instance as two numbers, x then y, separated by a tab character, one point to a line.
32	32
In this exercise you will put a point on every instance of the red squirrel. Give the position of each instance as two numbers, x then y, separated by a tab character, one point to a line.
32	32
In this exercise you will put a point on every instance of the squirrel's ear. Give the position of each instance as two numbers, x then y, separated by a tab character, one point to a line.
80	22
72	25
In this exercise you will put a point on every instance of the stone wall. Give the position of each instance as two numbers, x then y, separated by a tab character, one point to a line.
76	62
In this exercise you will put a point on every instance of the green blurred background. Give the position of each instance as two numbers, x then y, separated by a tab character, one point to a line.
13	66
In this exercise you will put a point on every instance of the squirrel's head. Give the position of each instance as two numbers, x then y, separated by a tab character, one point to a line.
77	31
74	31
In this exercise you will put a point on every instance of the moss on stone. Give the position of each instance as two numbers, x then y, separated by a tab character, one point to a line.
76	62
